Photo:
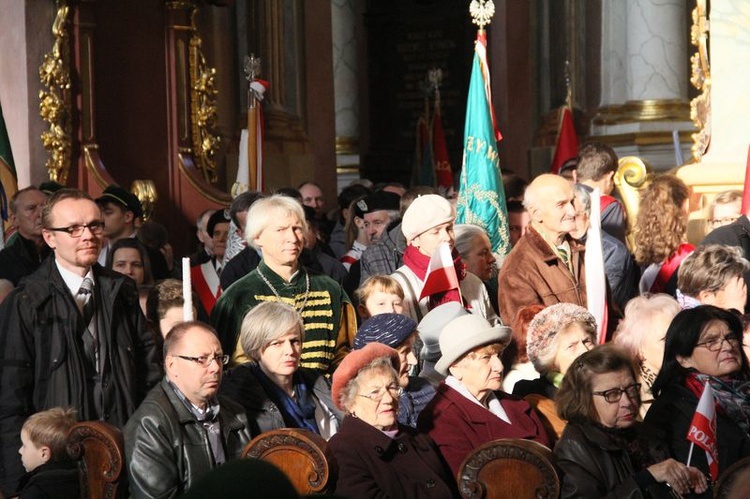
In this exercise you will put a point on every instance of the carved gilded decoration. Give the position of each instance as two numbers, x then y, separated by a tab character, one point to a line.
55	104
203	105
629	179
700	107
145	191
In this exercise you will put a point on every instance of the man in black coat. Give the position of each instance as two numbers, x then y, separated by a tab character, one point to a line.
72	334
27	249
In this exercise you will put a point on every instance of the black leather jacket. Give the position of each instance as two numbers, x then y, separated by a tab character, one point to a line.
167	449
594	466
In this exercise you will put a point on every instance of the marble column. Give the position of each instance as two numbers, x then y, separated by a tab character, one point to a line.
644	80
346	89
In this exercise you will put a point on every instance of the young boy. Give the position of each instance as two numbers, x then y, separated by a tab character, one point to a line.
49	472
378	295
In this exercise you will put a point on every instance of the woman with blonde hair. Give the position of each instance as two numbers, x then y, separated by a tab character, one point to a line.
641	333
660	233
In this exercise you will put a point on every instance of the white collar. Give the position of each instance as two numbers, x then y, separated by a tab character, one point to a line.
72	280
493	403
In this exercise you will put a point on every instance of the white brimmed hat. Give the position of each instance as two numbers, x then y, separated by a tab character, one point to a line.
464	334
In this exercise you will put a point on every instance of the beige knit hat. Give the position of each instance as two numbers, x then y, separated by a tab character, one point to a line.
424	213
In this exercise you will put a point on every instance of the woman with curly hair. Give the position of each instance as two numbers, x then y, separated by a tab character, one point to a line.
660	233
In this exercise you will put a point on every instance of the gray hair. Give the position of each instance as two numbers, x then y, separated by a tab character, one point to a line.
266	322
262	211
381	365
465	234
638	318
584	197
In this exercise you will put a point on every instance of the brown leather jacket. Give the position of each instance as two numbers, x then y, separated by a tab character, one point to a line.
533	274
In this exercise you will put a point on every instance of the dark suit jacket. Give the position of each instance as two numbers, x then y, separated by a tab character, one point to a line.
458	425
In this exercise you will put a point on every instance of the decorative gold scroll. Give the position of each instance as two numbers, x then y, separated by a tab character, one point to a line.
145	191
700	107
203	109
55	103
631	177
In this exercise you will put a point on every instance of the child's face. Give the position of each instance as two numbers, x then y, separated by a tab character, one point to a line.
171	318
32	456
381	302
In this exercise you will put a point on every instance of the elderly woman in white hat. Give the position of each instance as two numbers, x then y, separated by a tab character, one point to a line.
428	223
469	409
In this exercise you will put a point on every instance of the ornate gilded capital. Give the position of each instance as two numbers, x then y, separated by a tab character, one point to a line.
55	102
145	191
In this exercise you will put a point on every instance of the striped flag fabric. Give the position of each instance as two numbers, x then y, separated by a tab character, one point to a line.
481	197
702	431
441	275
596	284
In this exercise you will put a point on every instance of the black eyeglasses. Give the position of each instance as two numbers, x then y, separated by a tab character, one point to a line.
714	344
76	230
205	360
614	395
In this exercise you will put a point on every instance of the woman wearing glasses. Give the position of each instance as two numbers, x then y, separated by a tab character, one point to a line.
275	391
704	345
377	456
604	451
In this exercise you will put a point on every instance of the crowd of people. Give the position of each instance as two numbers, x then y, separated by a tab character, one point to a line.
329	322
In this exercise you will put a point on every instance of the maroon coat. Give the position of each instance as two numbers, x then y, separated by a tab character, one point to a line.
373	465
458	425
532	274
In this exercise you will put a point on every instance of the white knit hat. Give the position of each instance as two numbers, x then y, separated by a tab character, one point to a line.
424	213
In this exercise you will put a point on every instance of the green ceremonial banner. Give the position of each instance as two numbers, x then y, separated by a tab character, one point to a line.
8	179
481	198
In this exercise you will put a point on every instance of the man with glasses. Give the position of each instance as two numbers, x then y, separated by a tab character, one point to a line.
184	429
72	334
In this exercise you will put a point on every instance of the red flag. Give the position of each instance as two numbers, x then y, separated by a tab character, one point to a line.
443	173
441	275
567	142
746	190
702	431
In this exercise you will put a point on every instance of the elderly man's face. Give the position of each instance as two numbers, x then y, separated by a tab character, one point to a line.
582	222
312	196
375	223
28	214
197	382
555	212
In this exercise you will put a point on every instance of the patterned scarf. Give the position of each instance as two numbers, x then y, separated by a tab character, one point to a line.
298	412
637	446
418	263
209	419
732	396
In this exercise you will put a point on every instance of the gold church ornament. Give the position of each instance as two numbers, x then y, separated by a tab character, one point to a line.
55	103
203	108
145	191
700	107
481	12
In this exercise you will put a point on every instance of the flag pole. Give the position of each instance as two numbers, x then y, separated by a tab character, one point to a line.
690	454
247	173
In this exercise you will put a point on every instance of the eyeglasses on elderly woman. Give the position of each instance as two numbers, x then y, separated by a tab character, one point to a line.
614	395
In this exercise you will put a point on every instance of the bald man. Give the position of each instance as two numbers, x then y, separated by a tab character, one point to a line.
546	265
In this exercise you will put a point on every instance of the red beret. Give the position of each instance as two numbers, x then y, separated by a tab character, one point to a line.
354	362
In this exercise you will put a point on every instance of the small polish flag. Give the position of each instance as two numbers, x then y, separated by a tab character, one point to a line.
702	430
441	274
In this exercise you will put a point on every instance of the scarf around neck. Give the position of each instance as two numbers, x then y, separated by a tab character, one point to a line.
732	396
299	411
418	263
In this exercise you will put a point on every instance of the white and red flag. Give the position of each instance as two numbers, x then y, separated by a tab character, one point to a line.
702	431
441	276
